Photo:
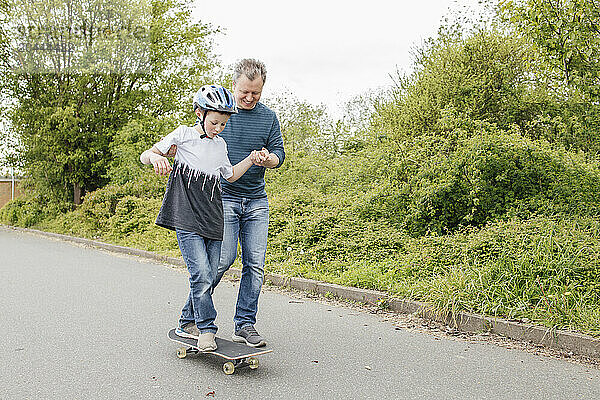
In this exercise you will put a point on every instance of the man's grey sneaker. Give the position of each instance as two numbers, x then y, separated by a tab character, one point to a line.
206	342
249	336
189	330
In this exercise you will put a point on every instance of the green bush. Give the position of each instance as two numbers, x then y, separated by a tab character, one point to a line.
494	174
30	210
135	137
122	214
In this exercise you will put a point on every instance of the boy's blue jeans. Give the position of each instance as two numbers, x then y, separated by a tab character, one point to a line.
246	221
201	256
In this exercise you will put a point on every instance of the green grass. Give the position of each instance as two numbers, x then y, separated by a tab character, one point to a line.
543	269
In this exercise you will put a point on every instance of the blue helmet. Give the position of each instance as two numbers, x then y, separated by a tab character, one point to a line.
215	98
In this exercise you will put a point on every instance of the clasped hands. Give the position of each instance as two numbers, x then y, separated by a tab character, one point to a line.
260	157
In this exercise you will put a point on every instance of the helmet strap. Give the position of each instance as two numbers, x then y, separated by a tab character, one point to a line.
201	121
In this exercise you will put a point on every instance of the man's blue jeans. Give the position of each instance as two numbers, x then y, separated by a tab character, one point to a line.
201	256
246	221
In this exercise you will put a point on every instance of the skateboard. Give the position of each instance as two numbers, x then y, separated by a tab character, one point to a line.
238	355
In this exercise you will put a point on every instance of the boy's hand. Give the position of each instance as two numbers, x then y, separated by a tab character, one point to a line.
161	164
253	156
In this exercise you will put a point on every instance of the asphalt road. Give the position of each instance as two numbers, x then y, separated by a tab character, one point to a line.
84	323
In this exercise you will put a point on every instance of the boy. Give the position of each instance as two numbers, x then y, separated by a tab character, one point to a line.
192	204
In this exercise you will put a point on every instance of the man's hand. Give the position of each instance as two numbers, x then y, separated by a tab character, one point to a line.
172	151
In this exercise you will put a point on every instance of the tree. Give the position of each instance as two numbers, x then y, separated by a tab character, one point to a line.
483	76
77	71
568	34
491	75
302	124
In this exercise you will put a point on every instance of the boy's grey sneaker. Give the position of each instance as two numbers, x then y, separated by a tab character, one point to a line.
206	342
189	330
249	336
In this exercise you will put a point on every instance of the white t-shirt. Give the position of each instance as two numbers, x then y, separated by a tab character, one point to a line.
192	200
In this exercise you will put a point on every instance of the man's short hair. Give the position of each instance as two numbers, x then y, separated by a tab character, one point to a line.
251	68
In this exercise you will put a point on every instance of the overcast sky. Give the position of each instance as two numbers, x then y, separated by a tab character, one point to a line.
325	51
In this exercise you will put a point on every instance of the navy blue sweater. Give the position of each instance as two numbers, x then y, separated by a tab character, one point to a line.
246	131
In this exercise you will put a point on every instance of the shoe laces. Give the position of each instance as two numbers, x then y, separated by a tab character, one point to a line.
251	330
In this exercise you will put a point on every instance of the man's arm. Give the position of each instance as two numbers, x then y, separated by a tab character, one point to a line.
266	159
274	156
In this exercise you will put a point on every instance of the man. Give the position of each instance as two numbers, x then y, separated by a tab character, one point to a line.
245	204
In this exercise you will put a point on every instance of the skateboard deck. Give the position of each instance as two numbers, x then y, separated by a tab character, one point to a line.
238	355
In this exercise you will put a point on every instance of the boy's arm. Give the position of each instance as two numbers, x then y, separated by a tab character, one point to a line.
155	157
240	168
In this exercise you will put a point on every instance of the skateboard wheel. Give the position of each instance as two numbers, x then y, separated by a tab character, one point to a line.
181	352
228	368
253	363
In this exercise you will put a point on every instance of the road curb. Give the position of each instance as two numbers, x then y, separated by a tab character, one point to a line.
573	342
